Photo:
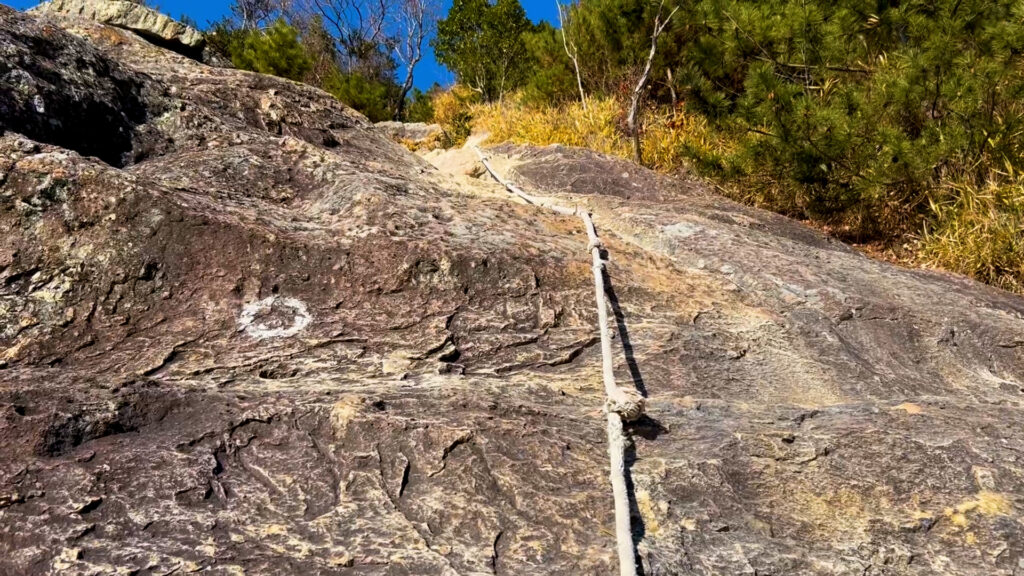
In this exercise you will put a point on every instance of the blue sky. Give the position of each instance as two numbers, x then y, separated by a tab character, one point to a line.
428	71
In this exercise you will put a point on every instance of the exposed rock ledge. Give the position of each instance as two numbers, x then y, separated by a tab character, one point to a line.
241	332
132	16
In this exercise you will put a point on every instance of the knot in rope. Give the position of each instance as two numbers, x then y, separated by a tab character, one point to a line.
629	405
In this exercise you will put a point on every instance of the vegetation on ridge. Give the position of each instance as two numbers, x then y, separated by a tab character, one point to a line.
363	52
899	125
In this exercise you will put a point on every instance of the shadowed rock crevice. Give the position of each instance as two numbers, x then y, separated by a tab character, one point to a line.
60	90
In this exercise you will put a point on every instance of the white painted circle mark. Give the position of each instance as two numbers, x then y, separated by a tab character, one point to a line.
273	313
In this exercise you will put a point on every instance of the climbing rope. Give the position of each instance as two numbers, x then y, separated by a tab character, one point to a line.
621	405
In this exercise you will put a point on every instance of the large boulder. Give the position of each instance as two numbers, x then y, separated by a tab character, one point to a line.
242	332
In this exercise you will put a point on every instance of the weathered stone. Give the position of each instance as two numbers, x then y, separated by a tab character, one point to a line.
132	16
255	336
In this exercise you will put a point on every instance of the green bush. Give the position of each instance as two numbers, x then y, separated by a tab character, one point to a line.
276	50
369	96
420	107
552	80
311	57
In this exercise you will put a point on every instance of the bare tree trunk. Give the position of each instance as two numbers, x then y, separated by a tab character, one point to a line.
574	55
417	18
671	87
414	56
632	119
501	88
634	129
402	94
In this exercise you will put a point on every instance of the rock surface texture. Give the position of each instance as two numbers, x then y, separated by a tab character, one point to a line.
241	332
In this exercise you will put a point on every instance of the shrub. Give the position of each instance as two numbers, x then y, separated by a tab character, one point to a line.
421	105
308	57
367	95
452	112
852	117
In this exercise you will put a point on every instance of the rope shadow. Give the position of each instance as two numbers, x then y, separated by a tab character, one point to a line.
638	530
620	325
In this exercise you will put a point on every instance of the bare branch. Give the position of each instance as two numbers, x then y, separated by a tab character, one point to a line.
641	84
256	14
355	24
573	55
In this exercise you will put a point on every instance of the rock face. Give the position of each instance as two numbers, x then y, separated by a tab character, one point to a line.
241	332
132	16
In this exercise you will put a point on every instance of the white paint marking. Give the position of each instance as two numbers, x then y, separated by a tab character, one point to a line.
247	320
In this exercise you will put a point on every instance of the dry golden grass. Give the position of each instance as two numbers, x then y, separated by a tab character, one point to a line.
431	143
668	139
452	110
569	125
979	232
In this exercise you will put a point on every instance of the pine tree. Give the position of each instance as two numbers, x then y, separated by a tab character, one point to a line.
276	51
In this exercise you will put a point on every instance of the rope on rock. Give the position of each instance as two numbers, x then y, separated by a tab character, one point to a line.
621	405
543	202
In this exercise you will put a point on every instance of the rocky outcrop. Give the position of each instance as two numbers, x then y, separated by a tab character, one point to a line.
243	332
133	16
415	132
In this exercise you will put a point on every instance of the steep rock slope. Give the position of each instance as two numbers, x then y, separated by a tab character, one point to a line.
242	332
